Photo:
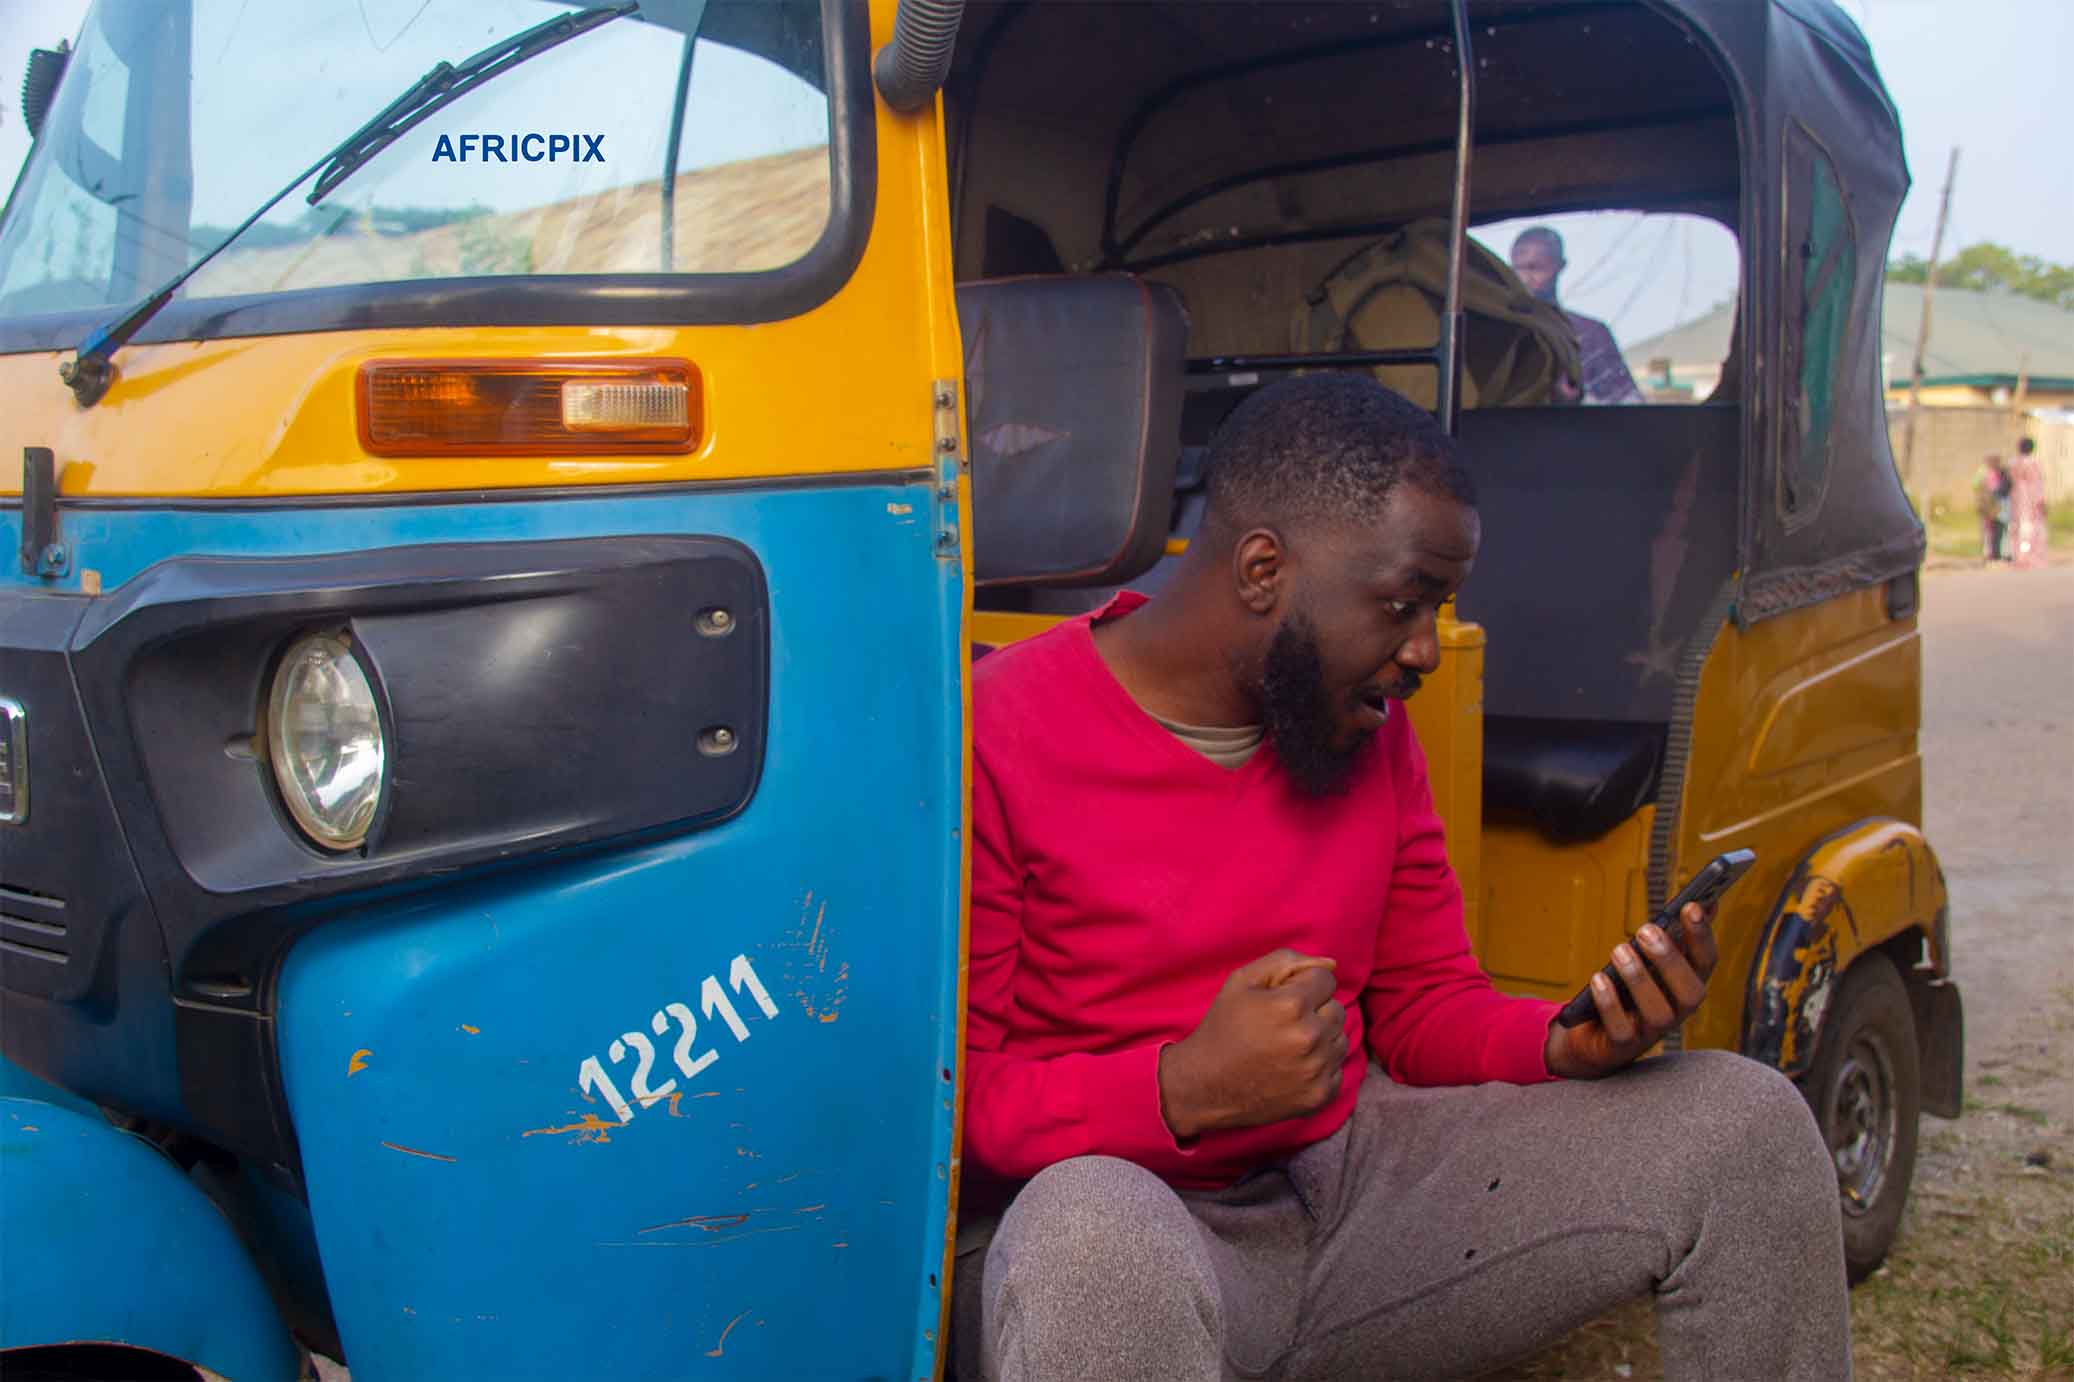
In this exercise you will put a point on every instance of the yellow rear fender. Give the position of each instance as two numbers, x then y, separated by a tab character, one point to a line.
1863	887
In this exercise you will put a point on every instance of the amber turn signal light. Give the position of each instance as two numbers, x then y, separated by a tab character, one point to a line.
527	407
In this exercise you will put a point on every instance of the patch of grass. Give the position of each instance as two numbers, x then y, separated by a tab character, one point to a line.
1984	1339
1954	529
2053	1248
1949	538
2025	1112
2055	1349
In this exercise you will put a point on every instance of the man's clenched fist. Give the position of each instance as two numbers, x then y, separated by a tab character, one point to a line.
1272	1046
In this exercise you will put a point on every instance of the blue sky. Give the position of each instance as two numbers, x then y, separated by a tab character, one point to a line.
1990	77
1986	75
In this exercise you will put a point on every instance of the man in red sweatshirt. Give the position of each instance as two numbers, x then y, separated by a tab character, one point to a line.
1250	1104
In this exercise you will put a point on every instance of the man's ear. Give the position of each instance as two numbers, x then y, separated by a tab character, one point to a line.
1260	570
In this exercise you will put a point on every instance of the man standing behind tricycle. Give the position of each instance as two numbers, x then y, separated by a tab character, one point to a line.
1239	1100
1991	488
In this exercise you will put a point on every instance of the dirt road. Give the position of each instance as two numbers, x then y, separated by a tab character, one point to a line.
1998	768
1982	1281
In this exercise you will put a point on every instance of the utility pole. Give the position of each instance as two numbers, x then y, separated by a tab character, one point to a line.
2016	401
1915	382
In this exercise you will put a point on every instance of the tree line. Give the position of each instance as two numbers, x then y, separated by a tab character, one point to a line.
1986	267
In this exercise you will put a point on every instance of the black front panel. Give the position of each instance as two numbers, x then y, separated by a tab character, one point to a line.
534	696
64	872
83	998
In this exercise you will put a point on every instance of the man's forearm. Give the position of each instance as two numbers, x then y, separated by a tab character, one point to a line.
1023	1113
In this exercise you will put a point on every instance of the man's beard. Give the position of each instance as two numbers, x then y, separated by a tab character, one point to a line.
1301	721
1546	292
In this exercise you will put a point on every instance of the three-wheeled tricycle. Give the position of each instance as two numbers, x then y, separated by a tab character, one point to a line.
501	544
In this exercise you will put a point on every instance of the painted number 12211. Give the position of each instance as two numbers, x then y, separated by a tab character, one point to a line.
591	1076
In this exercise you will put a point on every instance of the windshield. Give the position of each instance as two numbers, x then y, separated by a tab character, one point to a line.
175	120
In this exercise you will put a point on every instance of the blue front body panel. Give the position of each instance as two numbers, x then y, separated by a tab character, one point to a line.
481	1209
103	1240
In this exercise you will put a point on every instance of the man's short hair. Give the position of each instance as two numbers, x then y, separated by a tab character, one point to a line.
1326	447
2026	447
1542	235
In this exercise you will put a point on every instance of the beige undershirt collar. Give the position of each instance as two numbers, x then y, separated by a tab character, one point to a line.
1225	745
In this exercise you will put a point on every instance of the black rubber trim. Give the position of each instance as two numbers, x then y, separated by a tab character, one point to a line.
562	299
1677	757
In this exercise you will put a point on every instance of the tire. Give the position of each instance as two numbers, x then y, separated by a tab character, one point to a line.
1865	1088
92	1363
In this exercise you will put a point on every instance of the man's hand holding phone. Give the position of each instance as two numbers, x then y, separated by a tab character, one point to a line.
1653	984
1666	991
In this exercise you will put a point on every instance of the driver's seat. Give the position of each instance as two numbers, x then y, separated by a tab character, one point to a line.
1073	390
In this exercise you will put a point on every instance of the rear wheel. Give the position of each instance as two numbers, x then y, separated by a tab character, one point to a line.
1865	1088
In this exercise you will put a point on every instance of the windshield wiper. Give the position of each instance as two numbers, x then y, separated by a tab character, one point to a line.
89	373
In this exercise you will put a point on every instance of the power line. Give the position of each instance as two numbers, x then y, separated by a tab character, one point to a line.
1685	279
1915	383
1648	277
1583	280
380	47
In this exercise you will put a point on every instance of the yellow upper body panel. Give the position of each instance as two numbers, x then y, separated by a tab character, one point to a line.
843	387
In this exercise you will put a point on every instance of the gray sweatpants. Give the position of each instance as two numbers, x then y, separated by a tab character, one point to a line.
1439	1233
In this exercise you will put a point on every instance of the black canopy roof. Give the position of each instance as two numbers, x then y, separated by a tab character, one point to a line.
1136	133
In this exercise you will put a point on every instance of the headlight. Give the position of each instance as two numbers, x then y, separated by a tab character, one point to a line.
324	734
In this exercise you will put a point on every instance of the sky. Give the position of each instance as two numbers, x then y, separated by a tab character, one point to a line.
1986	76
1989	77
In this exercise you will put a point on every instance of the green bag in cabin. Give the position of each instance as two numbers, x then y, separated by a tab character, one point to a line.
1390	295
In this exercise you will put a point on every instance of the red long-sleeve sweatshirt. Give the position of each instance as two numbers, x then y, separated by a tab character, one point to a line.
1119	877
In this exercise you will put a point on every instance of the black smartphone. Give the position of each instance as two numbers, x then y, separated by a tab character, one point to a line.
1706	885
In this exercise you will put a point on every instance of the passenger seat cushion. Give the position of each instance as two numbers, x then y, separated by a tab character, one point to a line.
1074	396
1574	779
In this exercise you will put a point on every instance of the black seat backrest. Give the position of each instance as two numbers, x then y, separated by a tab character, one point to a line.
1607	533
1073	386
